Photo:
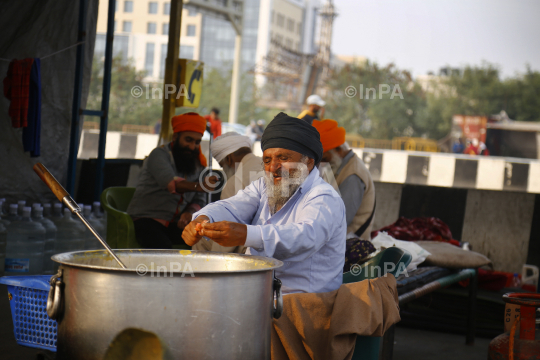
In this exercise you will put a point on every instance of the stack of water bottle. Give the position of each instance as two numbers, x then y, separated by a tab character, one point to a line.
29	236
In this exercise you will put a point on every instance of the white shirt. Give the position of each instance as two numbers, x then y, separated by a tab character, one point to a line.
307	233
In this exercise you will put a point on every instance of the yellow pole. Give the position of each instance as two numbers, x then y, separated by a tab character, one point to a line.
173	53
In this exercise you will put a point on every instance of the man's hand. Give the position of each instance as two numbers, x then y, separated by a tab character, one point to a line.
225	233
192	232
185	218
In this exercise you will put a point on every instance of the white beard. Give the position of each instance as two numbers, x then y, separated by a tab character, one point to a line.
279	194
335	161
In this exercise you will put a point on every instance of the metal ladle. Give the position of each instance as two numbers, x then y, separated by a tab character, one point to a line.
64	197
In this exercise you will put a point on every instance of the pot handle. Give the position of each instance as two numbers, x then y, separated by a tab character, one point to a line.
278	302
54	298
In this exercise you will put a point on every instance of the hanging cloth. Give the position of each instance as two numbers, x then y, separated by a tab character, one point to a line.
32	133
16	89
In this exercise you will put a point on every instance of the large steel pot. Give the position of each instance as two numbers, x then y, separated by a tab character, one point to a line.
223	311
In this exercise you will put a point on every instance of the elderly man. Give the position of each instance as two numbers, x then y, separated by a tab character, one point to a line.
291	214
352	178
233	153
168	190
315	104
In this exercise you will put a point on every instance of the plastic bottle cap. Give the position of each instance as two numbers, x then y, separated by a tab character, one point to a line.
21	202
36	205
46	205
13	208
96	203
57	205
26	211
67	212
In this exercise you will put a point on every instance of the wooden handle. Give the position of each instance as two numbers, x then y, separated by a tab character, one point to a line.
50	181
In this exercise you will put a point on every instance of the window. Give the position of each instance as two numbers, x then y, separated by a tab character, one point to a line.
151	28
152	7
192	12
299	28
167	8
288	44
290	25
165	29
163	58
149	59
272	18
187	52
280	20
115	5
191	30
279	38
128	6
126	26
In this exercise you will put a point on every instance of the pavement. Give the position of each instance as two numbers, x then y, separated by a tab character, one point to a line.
409	344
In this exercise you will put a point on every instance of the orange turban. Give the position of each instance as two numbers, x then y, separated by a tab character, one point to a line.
332	135
190	121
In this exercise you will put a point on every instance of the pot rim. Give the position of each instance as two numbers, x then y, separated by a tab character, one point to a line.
68	258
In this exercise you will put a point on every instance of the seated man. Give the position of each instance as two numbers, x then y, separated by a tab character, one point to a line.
291	214
233	153
168	189
352	178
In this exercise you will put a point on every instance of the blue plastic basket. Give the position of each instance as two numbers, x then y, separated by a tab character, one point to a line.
28	300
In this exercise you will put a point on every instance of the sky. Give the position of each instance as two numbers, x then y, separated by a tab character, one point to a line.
425	35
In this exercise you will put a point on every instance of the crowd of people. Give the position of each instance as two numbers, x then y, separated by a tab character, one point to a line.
470	147
299	203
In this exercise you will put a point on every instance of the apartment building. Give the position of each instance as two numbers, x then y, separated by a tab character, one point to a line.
141	33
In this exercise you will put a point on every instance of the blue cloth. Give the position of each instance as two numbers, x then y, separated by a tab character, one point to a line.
307	234
32	133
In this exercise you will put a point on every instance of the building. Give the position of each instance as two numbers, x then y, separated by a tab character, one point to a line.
141	33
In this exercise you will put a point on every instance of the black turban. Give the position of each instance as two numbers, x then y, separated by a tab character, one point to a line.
291	133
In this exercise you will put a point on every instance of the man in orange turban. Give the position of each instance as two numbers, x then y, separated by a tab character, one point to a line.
168	191
352	178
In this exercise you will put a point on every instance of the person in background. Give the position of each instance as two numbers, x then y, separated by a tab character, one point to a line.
168	190
458	146
473	148
483	150
233	153
251	131
260	128
315	104
290	214
352	178
157	127
214	122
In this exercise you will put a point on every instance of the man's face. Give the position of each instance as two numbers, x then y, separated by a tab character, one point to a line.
189	140
277	160
185	150
333	158
315	108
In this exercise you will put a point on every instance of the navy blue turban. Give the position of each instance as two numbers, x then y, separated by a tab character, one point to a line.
291	133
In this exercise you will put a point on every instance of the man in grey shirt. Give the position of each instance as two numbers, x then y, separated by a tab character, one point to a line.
168	191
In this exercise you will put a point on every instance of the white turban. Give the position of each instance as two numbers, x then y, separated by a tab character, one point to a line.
227	144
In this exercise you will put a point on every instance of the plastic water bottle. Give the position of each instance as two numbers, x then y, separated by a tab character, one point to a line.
13	216
96	207
3	217
3	243
21	205
47	211
57	213
25	246
91	242
50	239
69	235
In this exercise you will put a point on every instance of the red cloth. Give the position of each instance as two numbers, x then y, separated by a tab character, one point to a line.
421	228
471	150
215	125
17	90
